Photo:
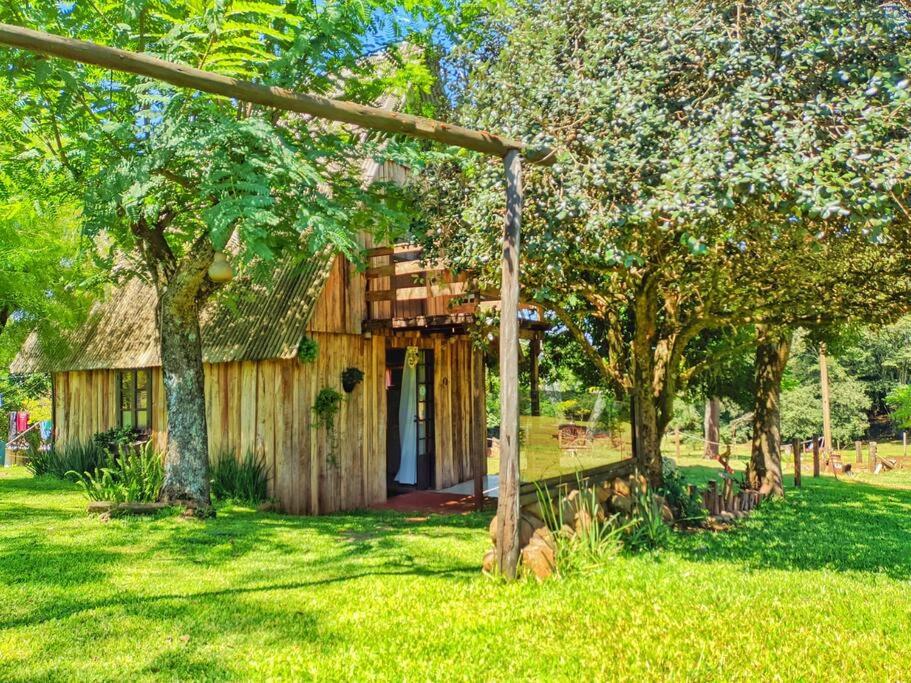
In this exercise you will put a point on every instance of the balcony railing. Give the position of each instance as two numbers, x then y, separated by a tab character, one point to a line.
403	290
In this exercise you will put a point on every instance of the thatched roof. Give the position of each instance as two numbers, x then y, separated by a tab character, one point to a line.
257	317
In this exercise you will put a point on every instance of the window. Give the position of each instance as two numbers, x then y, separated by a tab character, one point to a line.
134	389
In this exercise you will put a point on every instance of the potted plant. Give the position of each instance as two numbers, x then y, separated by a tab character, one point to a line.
351	377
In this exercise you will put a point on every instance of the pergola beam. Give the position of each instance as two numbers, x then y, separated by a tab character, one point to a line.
185	76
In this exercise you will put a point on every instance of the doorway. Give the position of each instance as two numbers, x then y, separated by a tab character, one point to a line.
409	416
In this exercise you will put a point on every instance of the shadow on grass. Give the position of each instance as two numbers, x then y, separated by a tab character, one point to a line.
324	550
839	525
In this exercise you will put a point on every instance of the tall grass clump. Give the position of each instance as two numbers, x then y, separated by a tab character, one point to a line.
58	461
584	537
242	480
133	476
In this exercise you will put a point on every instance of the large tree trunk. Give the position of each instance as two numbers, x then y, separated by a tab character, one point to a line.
187	458
772	350
712	427
647	433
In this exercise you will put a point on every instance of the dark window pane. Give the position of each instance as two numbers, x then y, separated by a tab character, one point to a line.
142	390
126	390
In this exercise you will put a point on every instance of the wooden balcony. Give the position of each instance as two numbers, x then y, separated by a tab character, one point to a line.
406	292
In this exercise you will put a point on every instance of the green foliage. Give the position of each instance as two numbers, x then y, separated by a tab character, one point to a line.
116	439
308	350
706	153
899	399
243	480
880	358
688	508
58	461
326	407
592	544
648	530
801	402
31	393
132	476
160	169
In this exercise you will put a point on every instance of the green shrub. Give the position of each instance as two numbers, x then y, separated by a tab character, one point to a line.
240	480
58	461
688	508
308	350
113	441
133	476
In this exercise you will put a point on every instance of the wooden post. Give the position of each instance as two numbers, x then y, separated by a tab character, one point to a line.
508	504
677	442
904	444
535	389
815	457
824	390
873	456
797	446
859	452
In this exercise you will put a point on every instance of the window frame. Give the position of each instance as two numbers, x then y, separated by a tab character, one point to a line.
134	410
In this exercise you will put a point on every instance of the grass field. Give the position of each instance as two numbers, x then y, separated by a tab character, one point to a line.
815	588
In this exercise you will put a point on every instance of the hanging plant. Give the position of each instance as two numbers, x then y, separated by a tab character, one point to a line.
307	350
326	407
351	377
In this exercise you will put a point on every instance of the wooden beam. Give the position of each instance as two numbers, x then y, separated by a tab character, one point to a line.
185	76
508	503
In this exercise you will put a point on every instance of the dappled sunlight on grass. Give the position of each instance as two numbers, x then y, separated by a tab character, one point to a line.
380	595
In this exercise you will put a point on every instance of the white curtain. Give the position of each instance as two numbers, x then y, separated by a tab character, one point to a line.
408	467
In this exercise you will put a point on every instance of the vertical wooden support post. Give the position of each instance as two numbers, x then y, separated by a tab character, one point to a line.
824	391
858	452
477	389
508	503
815	457
54	408
535	389
796	446
873	456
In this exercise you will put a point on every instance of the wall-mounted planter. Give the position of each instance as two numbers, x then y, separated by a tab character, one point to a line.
351	377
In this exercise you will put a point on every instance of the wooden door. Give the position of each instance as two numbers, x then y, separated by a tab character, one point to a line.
426	466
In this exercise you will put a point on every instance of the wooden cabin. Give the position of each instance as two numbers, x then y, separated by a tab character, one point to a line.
260	394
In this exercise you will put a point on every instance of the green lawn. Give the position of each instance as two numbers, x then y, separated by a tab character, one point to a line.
813	589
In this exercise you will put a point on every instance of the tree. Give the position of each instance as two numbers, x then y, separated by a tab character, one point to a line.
899	399
697	141
720	368
169	177
801	402
880	357
44	279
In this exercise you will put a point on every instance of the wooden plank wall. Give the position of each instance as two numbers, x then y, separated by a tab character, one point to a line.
265	407
342	305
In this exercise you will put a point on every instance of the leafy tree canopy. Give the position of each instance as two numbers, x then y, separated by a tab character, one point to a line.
719	164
